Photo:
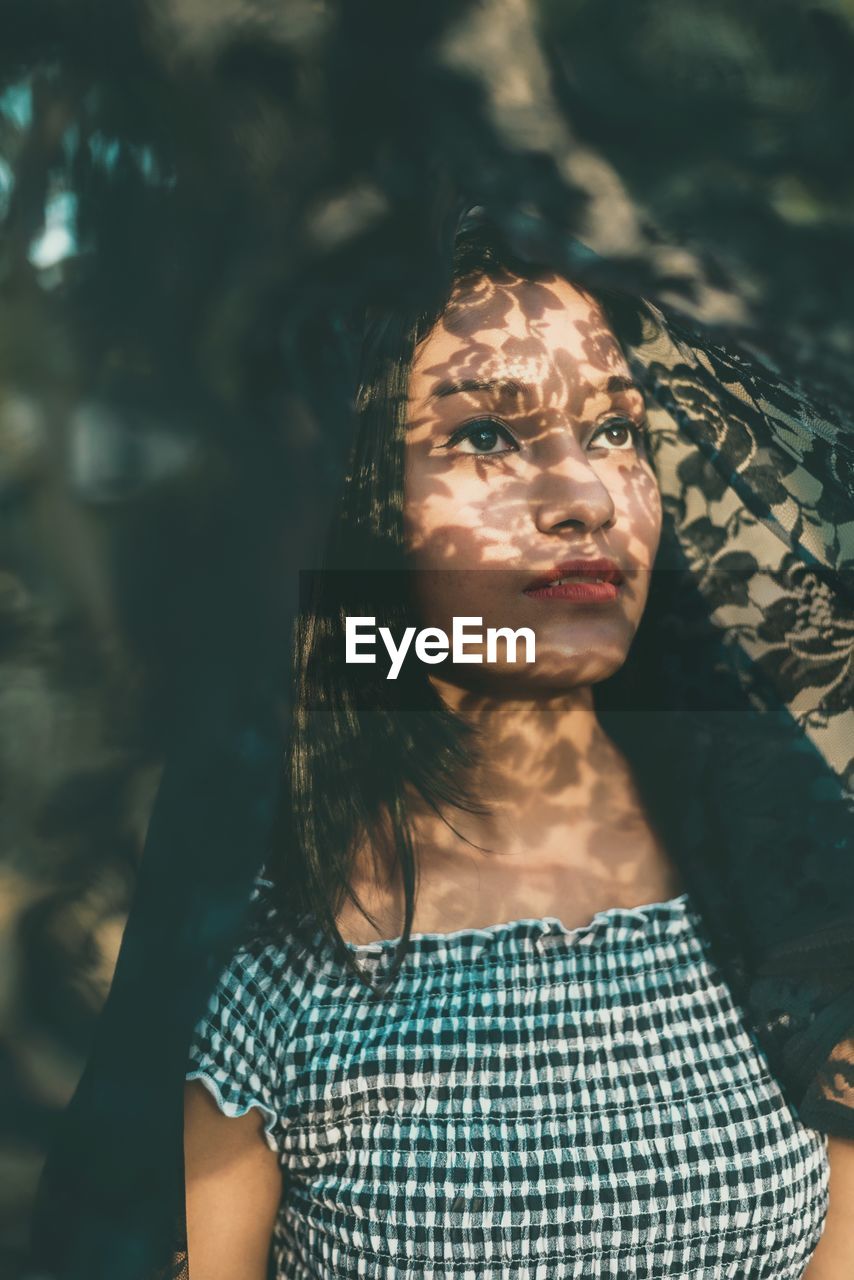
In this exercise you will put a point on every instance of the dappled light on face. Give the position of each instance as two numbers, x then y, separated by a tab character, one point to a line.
525	450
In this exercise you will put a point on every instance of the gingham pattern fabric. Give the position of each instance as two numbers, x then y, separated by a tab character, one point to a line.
529	1103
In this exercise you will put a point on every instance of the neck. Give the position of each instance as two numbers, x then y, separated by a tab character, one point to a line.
547	769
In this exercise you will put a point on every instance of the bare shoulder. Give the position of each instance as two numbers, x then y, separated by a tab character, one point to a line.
832	1258
233	1188
211	1132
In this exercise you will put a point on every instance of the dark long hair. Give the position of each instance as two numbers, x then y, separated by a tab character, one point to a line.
358	740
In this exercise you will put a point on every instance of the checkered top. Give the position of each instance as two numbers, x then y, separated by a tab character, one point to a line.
527	1102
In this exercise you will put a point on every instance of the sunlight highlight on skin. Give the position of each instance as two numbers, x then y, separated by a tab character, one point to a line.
565	488
529	373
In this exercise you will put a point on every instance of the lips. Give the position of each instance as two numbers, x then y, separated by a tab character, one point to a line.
603	570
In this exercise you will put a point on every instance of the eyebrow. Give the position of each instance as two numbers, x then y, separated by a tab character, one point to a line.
612	385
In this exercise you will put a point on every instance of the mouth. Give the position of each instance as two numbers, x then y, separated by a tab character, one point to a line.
579	572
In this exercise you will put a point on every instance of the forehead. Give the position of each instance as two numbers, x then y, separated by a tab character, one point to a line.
519	329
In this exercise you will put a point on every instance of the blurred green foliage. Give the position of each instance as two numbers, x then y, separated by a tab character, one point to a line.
194	197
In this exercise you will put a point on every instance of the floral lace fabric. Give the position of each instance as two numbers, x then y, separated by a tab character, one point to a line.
757	482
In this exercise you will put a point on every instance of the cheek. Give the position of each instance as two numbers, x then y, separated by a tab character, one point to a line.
451	538
460	587
637	501
456	525
456	518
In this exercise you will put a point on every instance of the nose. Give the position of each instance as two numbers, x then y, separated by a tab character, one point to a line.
571	492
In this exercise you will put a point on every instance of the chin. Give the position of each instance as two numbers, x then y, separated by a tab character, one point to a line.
549	681
567	670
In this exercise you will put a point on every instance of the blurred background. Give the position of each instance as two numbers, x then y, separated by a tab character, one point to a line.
194	194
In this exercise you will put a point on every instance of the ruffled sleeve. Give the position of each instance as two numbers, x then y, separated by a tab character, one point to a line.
235	1050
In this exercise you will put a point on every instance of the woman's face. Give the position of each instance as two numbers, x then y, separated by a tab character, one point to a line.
523	451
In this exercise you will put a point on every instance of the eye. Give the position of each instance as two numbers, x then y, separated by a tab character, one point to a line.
483	436
631	433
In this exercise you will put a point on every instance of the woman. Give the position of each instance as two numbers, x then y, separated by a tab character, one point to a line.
549	1069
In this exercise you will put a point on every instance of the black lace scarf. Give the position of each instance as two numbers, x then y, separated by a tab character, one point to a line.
752	620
